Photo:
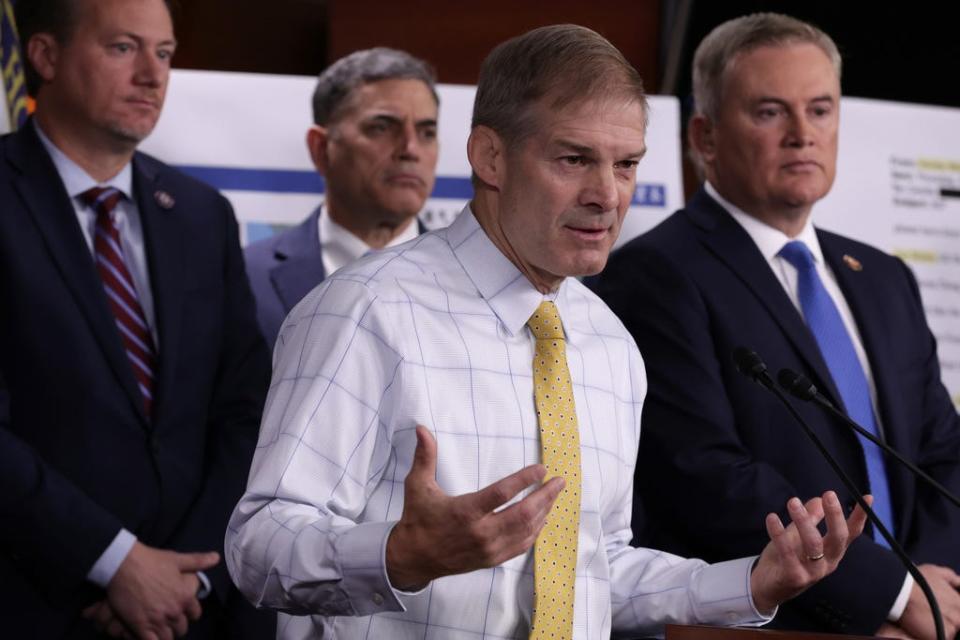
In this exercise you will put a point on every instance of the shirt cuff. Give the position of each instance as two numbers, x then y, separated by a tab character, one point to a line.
204	589
896	611
725	596
110	560
361	553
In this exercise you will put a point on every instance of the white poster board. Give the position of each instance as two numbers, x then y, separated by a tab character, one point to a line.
245	134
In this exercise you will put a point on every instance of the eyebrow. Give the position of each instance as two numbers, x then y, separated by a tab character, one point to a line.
393	119
140	40
822	98
584	150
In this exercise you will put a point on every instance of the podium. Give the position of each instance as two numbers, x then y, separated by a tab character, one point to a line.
696	632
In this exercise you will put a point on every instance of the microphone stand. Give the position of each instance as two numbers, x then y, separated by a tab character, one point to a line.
801	388
749	364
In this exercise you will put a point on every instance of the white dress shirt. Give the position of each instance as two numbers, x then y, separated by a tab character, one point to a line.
434	332
339	246
770	241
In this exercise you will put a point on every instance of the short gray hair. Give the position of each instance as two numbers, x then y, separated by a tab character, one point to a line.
720	48
338	81
566	62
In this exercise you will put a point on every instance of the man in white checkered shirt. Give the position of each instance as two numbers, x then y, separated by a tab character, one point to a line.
358	523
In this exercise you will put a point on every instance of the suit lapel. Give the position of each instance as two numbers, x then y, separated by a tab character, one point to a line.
41	189
731	244
163	240
300	263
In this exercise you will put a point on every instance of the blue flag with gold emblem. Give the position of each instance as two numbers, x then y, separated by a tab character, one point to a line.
11	66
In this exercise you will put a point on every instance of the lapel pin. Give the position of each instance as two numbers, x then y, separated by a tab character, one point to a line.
852	262
164	199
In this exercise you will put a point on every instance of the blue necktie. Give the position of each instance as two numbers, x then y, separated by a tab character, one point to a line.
837	349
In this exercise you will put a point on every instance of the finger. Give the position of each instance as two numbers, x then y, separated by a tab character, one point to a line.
505	489
858	519
529	515
838	533
785	541
91	611
811	543
815	509
103	616
424	467
178	624
193	562
115	629
193	609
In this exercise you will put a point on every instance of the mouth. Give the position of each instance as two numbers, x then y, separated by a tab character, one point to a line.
406	180
144	103
589	234
801	166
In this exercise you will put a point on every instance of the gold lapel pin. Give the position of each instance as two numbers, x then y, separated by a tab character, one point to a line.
852	262
164	199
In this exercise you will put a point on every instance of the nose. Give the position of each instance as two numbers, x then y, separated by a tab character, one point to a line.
408	143
150	70
601	192
799	131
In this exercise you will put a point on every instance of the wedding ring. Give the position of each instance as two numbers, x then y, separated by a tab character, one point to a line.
815	558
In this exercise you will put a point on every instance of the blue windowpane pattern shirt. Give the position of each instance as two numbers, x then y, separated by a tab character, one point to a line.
434	332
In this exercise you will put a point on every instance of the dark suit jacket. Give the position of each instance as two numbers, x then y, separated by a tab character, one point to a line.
283	269
717	453
81	459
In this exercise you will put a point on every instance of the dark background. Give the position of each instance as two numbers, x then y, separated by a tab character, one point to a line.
905	51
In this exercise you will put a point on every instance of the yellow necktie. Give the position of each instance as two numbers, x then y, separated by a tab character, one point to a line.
555	552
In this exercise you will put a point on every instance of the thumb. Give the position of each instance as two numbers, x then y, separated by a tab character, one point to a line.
424	467
191	562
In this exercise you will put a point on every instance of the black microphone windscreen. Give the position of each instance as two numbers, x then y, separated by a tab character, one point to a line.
748	362
797	384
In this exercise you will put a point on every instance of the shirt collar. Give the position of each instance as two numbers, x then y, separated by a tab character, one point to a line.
511	296
344	247
75	179
768	239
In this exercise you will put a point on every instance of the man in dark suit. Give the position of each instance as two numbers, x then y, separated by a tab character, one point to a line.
132	373
374	140
729	270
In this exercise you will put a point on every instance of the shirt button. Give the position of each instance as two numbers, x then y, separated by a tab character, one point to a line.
377	599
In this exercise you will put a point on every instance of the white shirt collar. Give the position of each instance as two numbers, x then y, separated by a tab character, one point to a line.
75	179
340	247
511	296
768	239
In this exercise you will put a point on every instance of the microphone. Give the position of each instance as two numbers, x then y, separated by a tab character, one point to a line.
799	386
750	364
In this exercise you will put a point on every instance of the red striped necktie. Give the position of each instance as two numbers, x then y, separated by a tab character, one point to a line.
121	292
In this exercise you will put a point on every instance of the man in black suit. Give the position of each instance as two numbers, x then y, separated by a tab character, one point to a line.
374	140
132	373
729	270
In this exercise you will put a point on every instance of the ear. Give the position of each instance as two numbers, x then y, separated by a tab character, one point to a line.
317	138
43	51
701	134
485	151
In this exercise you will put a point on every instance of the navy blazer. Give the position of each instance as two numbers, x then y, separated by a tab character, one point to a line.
80	457
717	452
283	269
